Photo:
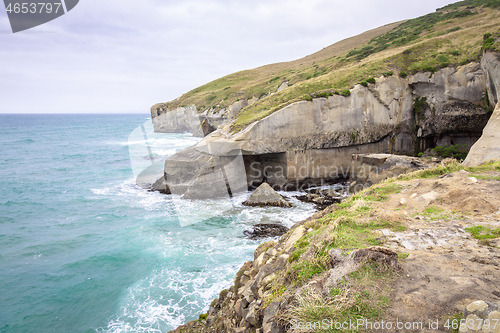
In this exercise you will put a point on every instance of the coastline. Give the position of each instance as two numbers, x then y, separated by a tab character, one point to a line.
405	232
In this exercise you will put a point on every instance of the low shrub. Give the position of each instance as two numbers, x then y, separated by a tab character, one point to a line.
345	93
456	151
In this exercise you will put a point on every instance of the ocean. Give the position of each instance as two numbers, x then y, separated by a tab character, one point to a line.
83	249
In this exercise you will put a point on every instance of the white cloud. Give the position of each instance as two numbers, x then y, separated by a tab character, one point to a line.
124	56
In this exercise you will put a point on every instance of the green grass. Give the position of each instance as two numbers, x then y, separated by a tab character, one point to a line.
484	232
435	213
277	292
408	32
381	193
448	166
473	3
301	271
402	256
452	323
342	229
485	177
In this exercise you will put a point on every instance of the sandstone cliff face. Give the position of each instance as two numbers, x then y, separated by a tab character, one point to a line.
312	141
189	119
186	119
487	147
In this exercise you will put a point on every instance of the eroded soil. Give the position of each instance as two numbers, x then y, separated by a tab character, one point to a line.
446	267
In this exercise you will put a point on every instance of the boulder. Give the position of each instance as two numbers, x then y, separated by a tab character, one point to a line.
265	195
264	230
376	254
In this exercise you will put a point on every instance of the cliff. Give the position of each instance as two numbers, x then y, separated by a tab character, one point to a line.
487	148
310	142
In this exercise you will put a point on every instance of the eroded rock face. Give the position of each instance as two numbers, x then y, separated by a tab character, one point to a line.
313	141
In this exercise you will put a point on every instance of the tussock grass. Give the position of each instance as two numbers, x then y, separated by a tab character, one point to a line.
484	232
364	294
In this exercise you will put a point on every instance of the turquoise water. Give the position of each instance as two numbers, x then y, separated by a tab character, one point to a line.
83	249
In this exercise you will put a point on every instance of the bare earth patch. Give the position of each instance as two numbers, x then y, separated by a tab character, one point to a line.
446	267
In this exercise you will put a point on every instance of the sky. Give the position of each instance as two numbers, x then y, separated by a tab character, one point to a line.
123	56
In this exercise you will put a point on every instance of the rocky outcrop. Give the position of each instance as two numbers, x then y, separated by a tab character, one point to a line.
198	122
324	197
481	316
369	169
488	146
265	230
243	308
449	106
161	186
491	67
311	142
186	119
265	195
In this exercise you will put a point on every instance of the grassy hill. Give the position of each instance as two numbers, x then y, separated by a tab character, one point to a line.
453	35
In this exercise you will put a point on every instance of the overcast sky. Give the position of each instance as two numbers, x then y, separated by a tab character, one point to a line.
122	56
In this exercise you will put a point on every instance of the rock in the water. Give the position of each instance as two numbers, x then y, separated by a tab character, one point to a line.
265	195
161	186
149	176
263	230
